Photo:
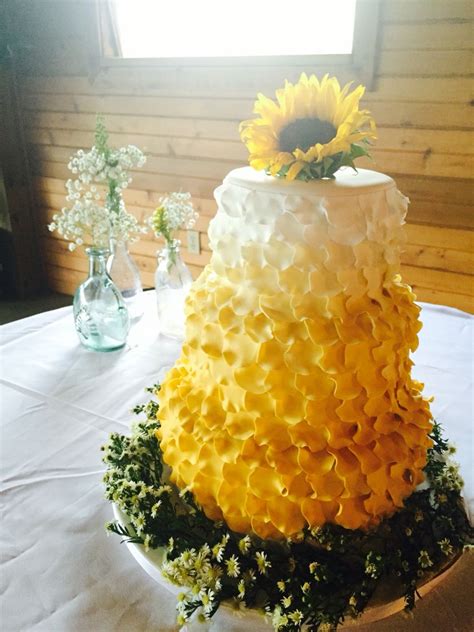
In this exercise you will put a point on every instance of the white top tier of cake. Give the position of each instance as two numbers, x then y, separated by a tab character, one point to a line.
353	221
346	181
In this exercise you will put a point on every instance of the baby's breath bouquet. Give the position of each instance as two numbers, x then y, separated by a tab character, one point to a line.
172	277
96	211
175	212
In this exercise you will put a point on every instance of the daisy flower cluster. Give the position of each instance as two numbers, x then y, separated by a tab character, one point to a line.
310	581
96	212
175	212
210	572
194	569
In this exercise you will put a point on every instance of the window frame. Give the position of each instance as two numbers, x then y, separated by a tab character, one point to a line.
360	64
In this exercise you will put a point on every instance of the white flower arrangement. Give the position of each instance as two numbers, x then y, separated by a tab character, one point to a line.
96	212
175	212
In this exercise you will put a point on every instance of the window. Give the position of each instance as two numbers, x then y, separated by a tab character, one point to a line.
219	28
319	35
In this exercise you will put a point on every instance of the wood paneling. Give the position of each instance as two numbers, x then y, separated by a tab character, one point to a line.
427	63
187	120
428	10
439	35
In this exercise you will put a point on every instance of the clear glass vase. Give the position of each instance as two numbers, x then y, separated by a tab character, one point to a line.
172	283
124	273
100	315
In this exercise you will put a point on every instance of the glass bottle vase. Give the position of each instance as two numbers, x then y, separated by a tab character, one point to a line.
124	273
172	282
100	315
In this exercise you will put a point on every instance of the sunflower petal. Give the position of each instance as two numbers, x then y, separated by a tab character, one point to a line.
294	170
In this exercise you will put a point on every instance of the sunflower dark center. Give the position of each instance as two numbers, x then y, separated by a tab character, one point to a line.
303	133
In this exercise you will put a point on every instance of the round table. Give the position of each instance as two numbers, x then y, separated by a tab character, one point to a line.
59	570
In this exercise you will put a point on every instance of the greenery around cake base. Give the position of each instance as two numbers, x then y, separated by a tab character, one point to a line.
314	580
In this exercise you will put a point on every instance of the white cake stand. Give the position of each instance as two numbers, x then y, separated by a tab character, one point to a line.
231	620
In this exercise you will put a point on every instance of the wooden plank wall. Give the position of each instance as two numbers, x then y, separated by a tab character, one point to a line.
187	121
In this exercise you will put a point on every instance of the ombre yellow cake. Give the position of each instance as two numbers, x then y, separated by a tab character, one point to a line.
292	403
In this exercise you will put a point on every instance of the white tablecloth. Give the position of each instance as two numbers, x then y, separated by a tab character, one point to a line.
59	402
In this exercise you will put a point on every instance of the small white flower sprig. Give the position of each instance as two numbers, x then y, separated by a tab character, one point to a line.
311	581
174	212
96	212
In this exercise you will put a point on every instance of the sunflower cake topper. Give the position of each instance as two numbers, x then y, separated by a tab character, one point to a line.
313	129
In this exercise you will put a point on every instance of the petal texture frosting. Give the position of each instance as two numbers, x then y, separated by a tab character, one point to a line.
292	403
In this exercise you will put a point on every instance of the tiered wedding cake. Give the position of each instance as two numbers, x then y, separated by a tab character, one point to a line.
292	403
